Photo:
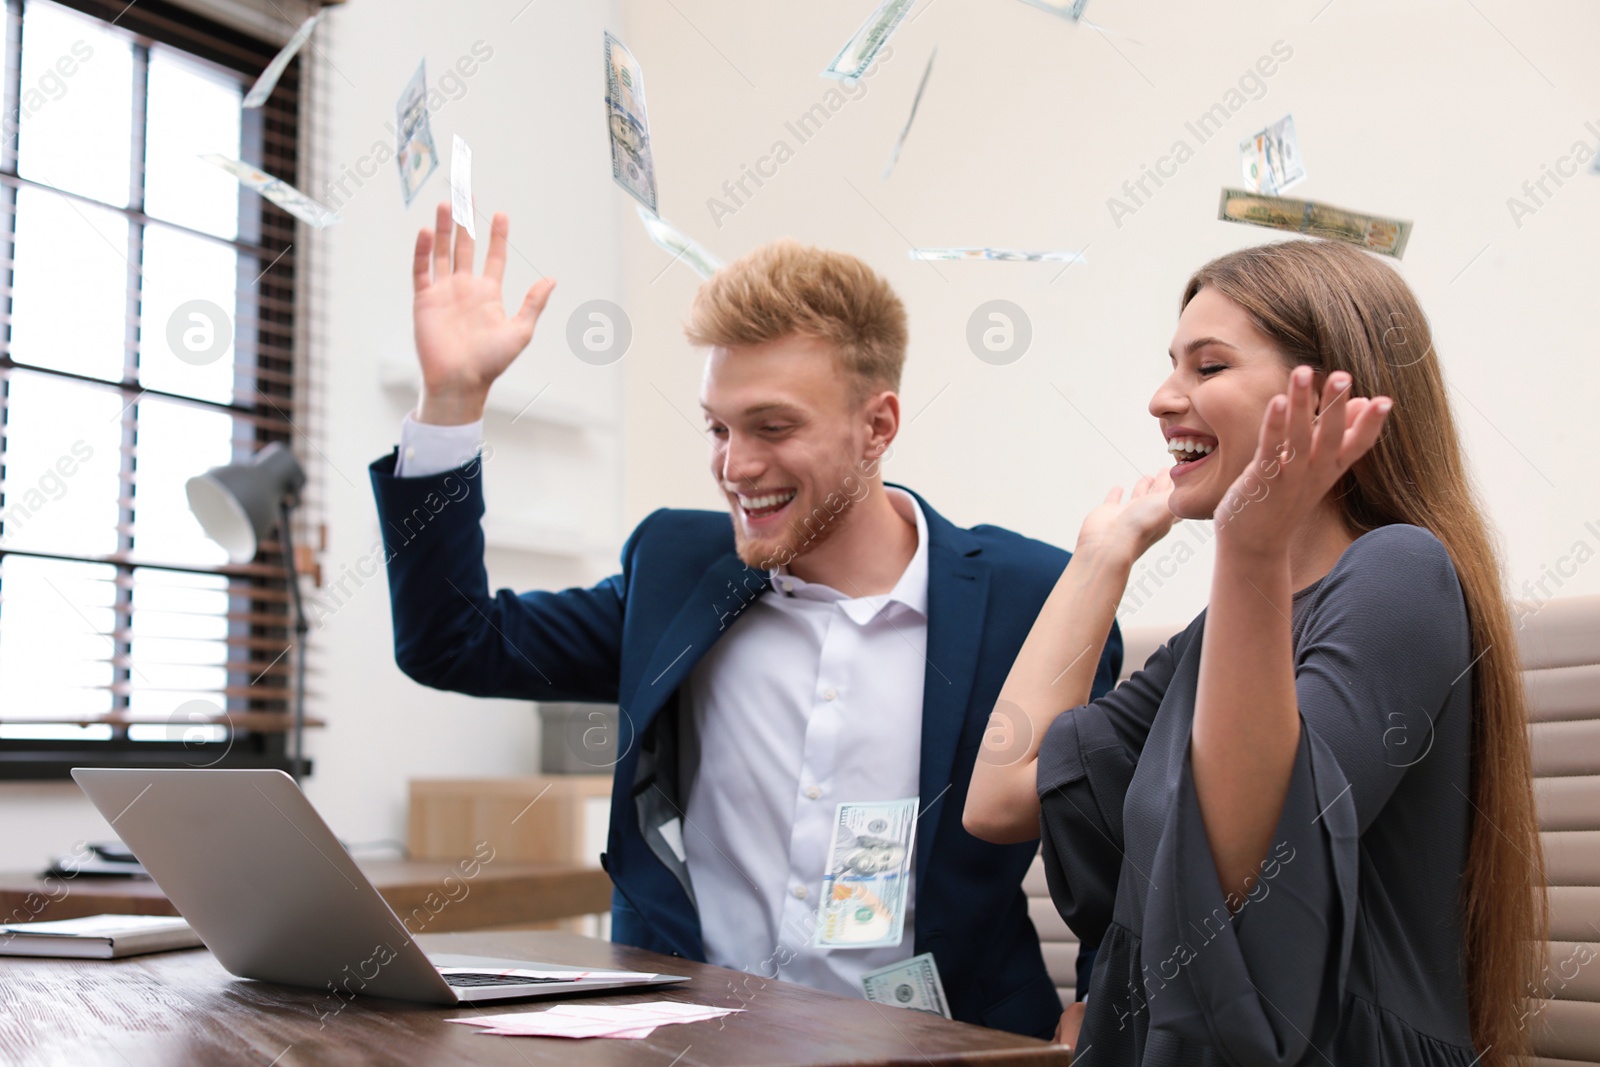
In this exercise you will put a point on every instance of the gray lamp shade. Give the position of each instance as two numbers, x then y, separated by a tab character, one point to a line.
237	505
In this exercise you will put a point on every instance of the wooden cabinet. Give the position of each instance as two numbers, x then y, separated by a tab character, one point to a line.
552	818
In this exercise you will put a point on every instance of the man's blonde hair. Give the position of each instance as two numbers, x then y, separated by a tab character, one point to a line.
785	288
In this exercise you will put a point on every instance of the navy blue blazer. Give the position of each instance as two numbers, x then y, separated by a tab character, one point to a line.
633	639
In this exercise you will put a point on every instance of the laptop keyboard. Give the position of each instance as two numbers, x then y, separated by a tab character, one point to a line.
498	979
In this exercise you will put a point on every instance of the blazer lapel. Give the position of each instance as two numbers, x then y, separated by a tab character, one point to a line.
726	589
958	599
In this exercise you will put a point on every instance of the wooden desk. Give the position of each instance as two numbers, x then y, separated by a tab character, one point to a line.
502	893
183	1008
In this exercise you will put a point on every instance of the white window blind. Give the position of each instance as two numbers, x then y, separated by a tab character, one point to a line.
148	335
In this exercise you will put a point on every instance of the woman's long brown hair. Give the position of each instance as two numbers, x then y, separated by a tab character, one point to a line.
1337	308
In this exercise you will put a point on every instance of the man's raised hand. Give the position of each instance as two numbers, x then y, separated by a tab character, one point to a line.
464	339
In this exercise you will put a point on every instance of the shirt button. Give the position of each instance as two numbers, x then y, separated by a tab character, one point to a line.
813	792
830	694
799	892
788	587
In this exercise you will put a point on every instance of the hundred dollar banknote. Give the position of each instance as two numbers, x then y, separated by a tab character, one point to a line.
668	238
865	890
899	142
632	163
276	190
414	150
863	46
461	185
1011	255
1071	9
1387	236
912	983
269	78
1271	159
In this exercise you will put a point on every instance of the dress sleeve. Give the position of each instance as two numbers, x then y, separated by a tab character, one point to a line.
1085	764
1388	635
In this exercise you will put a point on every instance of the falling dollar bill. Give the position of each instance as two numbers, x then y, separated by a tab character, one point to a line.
1375	234
900	141
912	983
862	48
997	255
269	78
667	237
865	891
1070	9
414	147
1271	159
276	190
461	185
632	162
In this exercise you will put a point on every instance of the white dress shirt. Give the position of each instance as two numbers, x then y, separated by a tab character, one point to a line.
812	699
426	449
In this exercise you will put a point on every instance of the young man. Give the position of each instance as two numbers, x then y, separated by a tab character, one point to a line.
838	643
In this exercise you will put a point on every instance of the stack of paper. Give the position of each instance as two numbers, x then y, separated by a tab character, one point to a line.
566	974
595	1020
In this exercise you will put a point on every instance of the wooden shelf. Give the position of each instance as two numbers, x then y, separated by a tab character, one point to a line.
261	722
518	533
504	891
507	398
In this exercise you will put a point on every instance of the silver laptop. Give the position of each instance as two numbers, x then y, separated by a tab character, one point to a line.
247	860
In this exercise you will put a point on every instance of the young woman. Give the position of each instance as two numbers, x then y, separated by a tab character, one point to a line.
1304	833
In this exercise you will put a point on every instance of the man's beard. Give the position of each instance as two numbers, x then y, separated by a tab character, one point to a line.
794	540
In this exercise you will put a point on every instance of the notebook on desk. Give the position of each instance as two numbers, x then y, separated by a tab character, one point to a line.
247	860
97	937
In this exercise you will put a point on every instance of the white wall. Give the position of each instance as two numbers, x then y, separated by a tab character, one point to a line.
542	156
533	114
1434	111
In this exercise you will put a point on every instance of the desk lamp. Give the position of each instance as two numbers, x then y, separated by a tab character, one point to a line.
237	506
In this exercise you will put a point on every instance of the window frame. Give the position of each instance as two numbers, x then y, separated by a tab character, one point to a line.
260	615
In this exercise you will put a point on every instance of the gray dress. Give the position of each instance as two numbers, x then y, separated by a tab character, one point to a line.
1348	950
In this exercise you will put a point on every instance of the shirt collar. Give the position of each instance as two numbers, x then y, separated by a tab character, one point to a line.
911	591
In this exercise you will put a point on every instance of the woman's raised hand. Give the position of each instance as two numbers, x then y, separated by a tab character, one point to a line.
1300	456
464	338
1127	528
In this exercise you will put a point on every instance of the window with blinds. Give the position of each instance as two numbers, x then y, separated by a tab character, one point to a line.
148	336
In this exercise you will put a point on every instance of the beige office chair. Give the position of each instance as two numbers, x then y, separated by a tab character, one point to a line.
1560	645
